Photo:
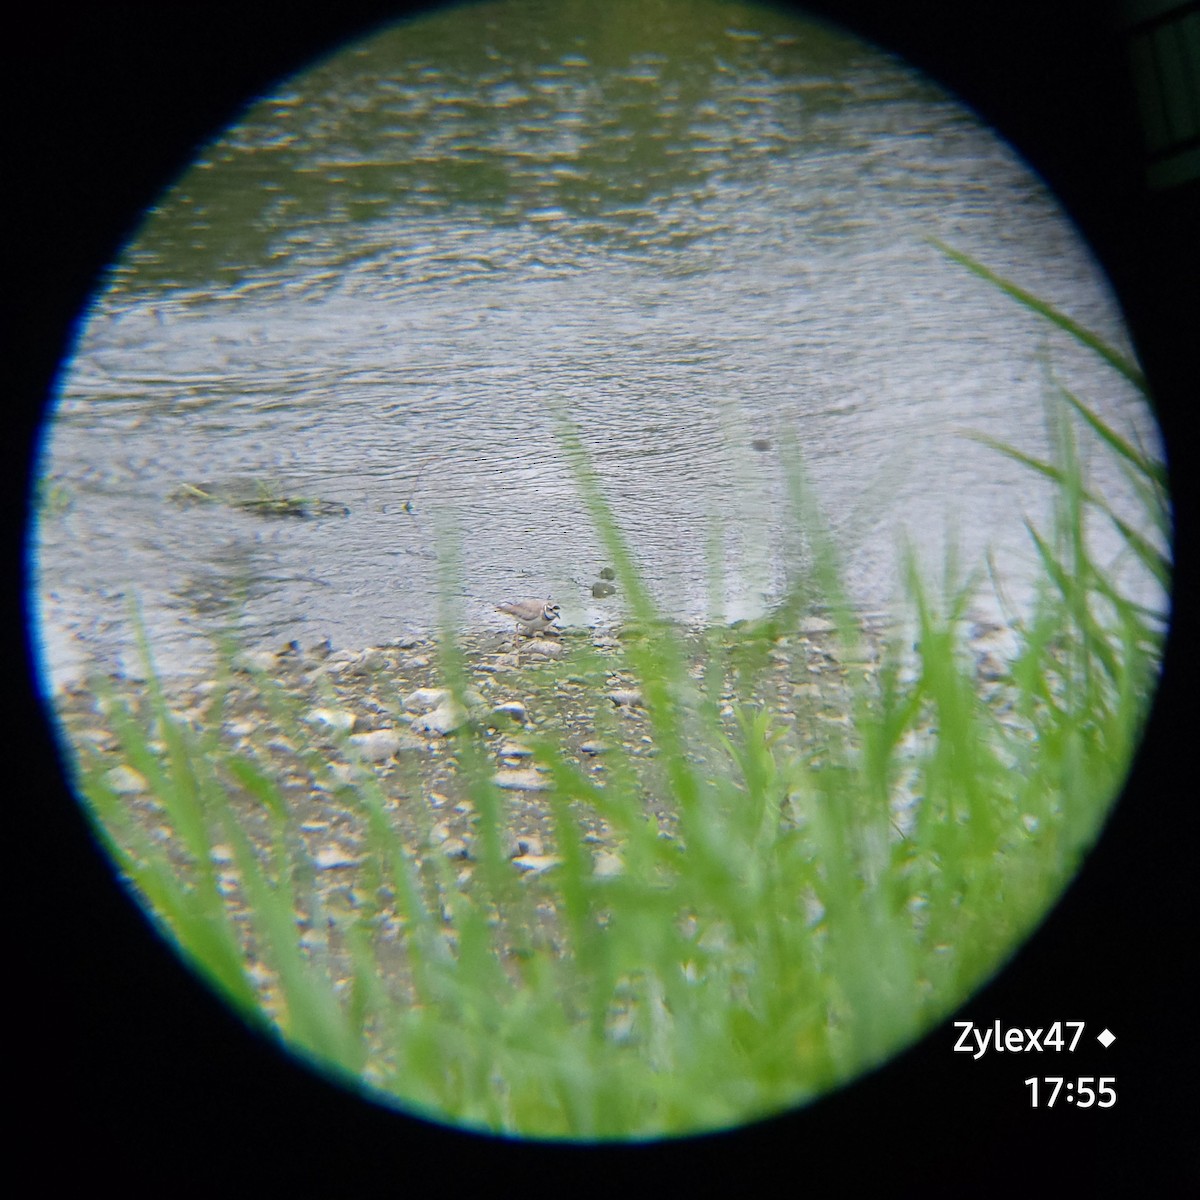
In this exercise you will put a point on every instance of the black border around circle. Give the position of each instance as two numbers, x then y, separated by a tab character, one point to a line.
137	1071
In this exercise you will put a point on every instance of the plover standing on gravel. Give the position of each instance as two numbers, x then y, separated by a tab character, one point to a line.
532	616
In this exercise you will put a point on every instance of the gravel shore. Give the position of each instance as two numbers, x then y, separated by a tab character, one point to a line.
323	725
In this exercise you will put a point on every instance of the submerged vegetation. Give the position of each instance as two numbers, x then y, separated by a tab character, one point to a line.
257	496
776	885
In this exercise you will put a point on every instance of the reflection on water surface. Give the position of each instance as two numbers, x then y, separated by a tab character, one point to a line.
690	235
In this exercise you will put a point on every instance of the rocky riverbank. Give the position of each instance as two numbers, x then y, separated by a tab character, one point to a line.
324	726
315	720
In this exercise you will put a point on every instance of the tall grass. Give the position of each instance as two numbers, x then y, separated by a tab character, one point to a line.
831	885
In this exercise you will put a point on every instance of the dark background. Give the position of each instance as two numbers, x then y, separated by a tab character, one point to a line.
136	1072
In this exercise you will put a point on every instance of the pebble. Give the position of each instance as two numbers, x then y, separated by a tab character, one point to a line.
990	668
521	781
330	857
545	648
514	750
344	660
446	718
255	660
524	844
512	708
606	865
406	641
343	774
425	699
102	739
536	864
335	718
376	746
125	781
816	625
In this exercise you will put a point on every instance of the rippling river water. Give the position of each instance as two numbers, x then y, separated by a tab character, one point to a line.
699	231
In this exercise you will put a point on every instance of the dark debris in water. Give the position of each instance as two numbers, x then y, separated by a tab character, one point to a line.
258	498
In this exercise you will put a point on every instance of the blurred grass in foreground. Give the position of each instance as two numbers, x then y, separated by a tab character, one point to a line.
803	922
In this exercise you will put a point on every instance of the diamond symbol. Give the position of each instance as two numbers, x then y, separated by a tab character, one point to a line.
1106	1039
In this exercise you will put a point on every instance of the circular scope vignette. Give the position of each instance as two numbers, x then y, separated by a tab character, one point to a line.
597	569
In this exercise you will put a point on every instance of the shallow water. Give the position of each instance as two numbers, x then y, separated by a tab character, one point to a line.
693	234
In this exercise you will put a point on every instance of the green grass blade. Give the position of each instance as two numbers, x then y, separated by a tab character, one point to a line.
1152	470
1093	342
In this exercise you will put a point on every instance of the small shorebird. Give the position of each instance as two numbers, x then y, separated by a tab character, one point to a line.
532	616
